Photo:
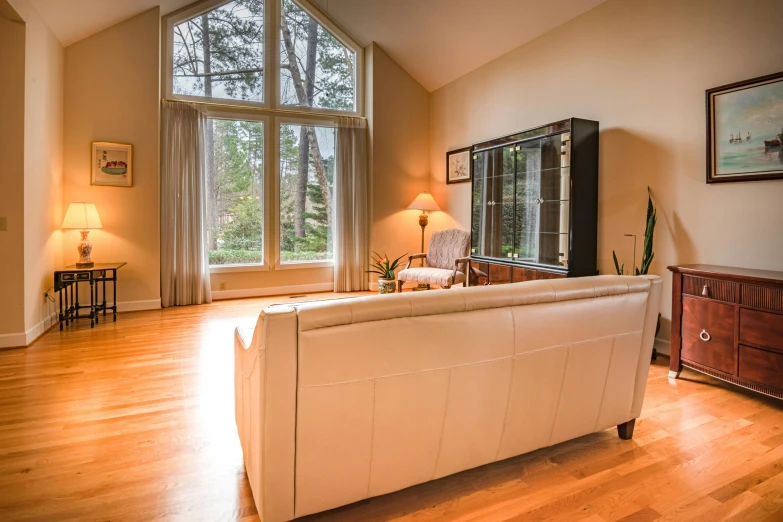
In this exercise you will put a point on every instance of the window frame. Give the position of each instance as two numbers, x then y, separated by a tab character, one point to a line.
295	120
272	50
224	114
271	111
342	37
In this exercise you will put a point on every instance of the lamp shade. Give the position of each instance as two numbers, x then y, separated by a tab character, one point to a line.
82	216
424	201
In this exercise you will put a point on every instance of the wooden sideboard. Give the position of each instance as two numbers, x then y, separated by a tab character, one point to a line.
728	323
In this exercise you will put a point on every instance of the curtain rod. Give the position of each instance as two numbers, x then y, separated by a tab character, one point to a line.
265	109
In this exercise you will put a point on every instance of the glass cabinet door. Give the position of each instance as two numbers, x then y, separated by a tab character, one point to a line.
493	203
543	190
521	196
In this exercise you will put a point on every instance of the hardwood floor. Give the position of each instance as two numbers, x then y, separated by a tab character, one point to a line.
134	420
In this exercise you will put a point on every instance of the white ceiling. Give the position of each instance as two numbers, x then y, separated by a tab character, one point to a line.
436	41
72	20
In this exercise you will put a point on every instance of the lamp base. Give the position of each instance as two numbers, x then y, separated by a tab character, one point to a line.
85	249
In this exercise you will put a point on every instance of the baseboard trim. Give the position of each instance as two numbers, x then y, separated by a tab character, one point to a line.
137	306
41	328
12	340
662	346
218	295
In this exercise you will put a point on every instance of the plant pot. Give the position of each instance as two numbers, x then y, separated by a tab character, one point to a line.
387	286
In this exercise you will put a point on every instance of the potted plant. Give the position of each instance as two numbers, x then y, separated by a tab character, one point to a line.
647	251
387	282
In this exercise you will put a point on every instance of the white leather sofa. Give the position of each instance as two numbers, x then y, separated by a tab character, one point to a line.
338	401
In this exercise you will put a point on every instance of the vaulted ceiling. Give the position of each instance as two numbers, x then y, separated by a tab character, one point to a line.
436	41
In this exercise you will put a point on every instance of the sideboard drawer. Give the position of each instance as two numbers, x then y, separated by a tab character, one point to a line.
708	333
709	288
761	328
767	297
761	366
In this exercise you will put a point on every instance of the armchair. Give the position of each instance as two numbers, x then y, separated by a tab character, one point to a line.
447	253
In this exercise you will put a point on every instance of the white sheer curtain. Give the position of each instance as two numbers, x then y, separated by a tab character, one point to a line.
184	263
350	223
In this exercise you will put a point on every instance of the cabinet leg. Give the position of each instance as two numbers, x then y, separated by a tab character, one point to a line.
625	430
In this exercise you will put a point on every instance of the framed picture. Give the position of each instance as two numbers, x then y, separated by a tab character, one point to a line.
459	168
112	164
745	130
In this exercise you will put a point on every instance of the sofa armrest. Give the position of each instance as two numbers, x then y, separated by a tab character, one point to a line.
265	369
648	339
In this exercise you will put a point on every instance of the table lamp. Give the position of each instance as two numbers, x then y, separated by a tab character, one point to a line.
423	202
83	217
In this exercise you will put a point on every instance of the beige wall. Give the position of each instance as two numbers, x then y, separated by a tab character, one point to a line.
112	94
640	68
12	86
43	137
398	118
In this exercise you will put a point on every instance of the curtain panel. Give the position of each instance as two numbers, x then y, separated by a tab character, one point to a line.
351	232
184	269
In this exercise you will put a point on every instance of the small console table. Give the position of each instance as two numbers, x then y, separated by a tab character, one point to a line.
728	323
66	281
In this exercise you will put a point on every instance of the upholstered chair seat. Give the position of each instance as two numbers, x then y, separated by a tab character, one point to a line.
446	257
439	276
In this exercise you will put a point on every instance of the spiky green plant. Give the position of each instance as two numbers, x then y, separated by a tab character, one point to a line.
647	252
383	267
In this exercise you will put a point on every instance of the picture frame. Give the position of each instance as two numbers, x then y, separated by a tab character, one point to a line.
459	167
745	130
112	164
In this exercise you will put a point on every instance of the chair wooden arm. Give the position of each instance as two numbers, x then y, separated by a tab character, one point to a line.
457	262
412	257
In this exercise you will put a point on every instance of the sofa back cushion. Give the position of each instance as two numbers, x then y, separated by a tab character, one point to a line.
397	390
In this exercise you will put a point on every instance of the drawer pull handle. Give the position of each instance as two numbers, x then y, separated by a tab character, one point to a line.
705	292
704	336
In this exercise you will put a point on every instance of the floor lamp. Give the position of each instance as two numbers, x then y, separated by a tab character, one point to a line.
424	202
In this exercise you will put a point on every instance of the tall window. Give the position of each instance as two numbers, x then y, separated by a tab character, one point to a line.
220	53
235	192
217	52
306	192
316	70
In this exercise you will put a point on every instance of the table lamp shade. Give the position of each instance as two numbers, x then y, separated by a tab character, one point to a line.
424	201
82	216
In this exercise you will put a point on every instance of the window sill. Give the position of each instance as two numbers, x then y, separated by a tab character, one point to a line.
222	269
294	265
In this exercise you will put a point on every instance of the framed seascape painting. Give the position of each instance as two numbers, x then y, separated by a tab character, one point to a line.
458	166
112	164
745	130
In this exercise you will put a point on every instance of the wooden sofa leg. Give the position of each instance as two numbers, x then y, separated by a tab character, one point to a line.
399	285
625	430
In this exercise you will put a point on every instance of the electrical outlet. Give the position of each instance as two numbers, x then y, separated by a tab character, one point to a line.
222	286
3	224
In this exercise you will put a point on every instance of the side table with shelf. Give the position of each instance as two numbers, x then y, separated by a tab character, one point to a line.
66	283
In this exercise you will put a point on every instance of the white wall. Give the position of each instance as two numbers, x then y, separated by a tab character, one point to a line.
398	120
112	94
12	86
641	69
43	151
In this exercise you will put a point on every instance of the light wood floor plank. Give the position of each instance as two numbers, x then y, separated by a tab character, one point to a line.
133	420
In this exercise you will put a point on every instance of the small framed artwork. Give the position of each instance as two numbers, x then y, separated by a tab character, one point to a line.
745	130
112	164
459	168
